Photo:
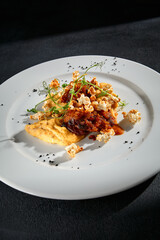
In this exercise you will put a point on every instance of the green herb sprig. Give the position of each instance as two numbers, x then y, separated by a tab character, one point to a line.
52	92
122	104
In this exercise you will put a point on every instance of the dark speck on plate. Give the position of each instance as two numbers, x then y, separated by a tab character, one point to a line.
51	161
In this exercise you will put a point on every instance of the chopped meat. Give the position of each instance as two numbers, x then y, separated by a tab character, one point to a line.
83	122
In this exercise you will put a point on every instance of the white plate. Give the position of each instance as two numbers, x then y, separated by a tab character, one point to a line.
99	170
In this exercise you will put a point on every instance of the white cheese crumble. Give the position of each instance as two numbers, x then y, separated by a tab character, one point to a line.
89	108
84	100
105	136
73	149
132	116
102	105
38	115
75	75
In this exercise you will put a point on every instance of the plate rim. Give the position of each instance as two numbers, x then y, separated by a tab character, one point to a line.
76	196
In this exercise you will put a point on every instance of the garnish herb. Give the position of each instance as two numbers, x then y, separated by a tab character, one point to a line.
64	85
122	103
52	92
34	110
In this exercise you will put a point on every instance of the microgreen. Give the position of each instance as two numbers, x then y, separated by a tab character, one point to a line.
103	93
123	103
45	86
72	91
65	106
34	110
100	65
52	92
54	110
64	85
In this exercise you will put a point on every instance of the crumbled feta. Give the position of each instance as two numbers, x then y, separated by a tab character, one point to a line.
115	98
106	87
102	105
38	115
75	75
92	90
132	116
94	104
105	136
89	108
73	149
71	106
84	100
54	83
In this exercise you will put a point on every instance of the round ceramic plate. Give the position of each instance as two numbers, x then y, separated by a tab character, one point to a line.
33	166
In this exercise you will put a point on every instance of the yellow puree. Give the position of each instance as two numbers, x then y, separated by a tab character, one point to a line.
50	131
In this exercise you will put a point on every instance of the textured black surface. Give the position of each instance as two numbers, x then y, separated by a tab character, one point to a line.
30	19
133	214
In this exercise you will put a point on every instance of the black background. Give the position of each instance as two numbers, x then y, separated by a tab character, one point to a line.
21	20
32	32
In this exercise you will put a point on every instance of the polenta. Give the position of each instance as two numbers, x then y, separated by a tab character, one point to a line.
49	131
72	111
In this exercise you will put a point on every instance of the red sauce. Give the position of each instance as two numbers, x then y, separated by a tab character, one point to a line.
83	122
93	137
118	130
